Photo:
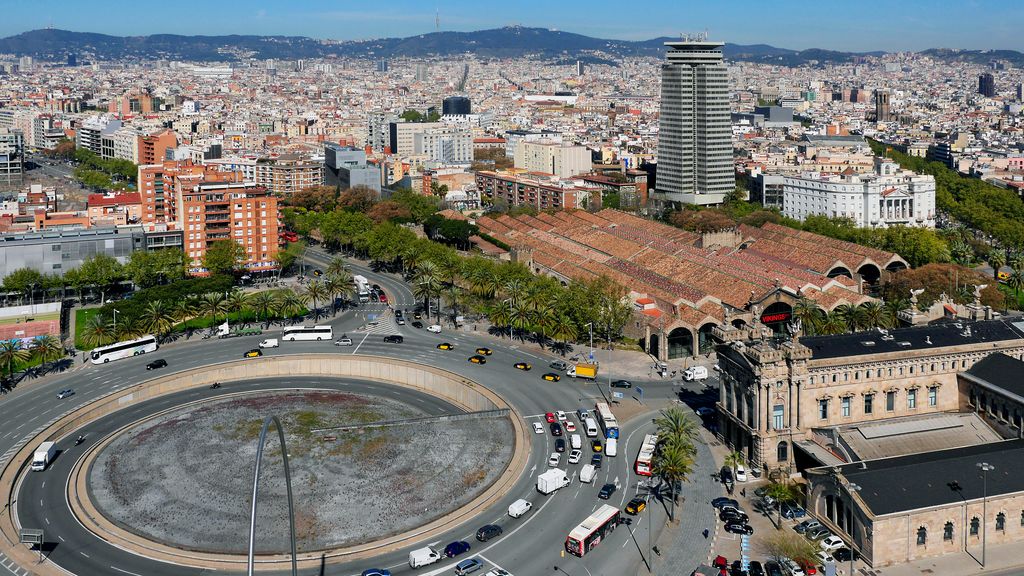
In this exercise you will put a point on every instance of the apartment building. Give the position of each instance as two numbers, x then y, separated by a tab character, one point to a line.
90	134
540	191
402	135
12	161
552	158
445	145
152	148
211	211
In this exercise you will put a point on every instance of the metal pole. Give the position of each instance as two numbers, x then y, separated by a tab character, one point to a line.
851	488
985	469
255	492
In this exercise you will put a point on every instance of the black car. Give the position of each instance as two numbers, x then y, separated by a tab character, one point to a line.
393	339
556	429
772	568
487	532
738	528
737	569
559	445
595	460
733	516
755	569
417	324
455	548
606	491
398	314
622	384
722	501
158	363
841	554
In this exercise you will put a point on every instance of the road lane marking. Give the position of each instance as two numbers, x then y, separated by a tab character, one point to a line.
125	571
83	553
365	336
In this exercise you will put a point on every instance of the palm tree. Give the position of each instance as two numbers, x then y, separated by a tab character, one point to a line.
519	315
316	292
336	267
97	332
501	314
1016	281
851	316
811	317
565	330
235	302
893	307
425	283
187	307
262	304
291	303
339	284
12	352
996	259
158	317
47	348
674	426
673	463
544	318
875	315
212	304
734	459
834	323
128	327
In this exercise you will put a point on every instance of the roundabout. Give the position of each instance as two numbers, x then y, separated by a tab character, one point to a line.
415	375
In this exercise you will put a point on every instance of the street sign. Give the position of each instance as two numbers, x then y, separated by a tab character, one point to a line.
640	391
616	394
31	536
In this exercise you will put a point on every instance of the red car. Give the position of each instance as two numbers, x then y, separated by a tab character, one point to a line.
550	417
384	298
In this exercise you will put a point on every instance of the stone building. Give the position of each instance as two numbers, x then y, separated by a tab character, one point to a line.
784	400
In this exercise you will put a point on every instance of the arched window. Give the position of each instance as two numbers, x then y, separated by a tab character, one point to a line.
782	452
947	532
1001	521
922	535
975	525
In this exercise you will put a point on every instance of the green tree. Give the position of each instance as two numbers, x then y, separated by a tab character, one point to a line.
97	332
262	304
996	259
23	281
425	283
316	292
101	271
1016	281
810	315
234	303
12	353
782	545
782	493
47	348
223	257
564	330
875	315
734	460
291	303
213	304
159	317
674	464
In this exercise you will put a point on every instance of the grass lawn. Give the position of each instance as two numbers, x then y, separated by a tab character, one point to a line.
82	318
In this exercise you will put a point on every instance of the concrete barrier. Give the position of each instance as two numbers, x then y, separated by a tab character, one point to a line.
454	388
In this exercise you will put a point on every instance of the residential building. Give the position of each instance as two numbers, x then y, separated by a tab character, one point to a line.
402	135
445	145
553	158
126	144
152	148
767	190
890	196
126	206
377	130
91	133
12	159
514	137
346	167
211	211
695	163
540	191
282	176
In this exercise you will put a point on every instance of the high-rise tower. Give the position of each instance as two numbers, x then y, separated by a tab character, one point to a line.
882	113
695	163
987	85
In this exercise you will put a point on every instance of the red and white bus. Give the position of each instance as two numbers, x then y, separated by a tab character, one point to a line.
589	534
643	459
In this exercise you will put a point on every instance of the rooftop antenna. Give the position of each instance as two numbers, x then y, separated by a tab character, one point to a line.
437	19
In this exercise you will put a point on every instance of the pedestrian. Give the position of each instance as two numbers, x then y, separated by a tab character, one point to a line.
705	533
743	492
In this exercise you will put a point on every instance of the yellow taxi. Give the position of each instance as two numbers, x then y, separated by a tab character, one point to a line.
636	506
446	346
484	351
523	366
254	353
478	359
551	377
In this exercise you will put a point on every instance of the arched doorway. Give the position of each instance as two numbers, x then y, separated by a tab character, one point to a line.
840	271
870	273
782	452
896	266
680	343
655	346
776	316
705	343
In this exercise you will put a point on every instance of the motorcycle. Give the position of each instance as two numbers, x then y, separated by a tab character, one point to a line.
79	440
215	386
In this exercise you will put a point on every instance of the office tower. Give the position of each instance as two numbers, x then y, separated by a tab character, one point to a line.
1020	92
579	67
382	66
456	105
72	60
987	85
882	106
421	72
25	64
695	131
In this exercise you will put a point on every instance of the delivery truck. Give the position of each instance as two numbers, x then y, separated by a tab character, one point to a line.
695	373
587	473
552	480
588	371
424	556
43	456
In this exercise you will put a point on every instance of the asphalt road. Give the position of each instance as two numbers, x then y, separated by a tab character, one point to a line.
530	545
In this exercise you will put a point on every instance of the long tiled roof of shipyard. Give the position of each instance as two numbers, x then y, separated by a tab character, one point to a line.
668	264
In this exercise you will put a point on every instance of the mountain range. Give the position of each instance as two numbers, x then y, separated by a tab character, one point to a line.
508	42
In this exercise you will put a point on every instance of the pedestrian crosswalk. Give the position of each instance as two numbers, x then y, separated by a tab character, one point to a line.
378	321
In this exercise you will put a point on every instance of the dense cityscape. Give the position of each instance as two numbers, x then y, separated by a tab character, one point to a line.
512	300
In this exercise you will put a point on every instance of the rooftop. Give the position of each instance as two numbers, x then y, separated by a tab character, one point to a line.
913	434
1001	371
905	483
916	338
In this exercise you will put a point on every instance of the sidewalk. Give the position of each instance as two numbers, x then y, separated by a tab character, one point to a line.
998	558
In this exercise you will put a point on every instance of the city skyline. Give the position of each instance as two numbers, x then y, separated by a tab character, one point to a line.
979	24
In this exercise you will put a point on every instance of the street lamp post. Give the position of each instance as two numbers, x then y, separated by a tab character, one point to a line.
851	488
115	320
985	469
591	326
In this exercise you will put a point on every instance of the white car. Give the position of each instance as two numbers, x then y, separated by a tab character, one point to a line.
832	543
793	568
825	558
554	459
561	416
569	426
741	473
435	328
574	456
538	428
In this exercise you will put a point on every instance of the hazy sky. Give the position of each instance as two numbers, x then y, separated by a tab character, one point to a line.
858	25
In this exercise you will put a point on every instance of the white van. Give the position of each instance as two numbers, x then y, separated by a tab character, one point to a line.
519	508
591	427
576	441
611	447
424	556
270	343
695	373
587	473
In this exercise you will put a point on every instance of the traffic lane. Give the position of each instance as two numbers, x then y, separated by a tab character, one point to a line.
47	488
398	292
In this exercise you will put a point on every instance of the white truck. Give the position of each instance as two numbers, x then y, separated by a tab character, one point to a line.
518	508
362	287
552	480
695	373
611	447
270	343
43	456
424	556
